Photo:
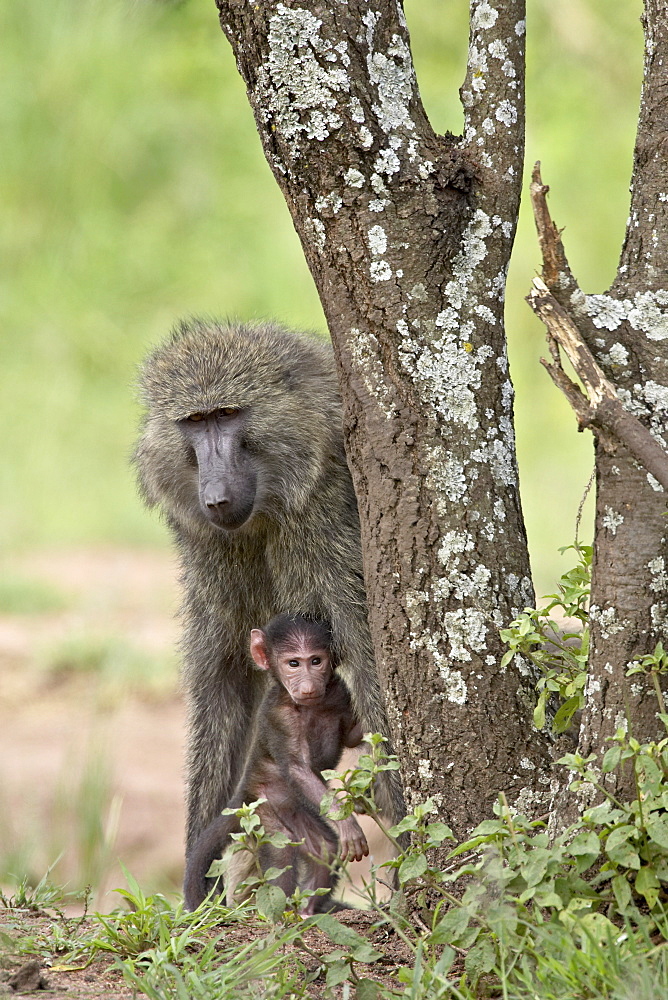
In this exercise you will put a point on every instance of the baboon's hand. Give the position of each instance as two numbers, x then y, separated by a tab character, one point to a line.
353	845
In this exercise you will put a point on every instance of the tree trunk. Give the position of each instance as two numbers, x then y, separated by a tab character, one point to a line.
408	236
627	332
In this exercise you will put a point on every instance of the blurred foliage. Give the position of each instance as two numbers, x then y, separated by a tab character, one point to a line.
20	595
134	191
118	668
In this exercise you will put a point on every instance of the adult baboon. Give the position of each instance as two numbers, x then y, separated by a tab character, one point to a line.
242	449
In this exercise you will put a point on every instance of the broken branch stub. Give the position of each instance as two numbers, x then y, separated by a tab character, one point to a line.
600	409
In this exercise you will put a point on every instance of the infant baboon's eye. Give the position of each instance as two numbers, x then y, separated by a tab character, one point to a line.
196	416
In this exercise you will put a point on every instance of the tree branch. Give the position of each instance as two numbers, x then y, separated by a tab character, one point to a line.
493	100
602	410
646	240
555	264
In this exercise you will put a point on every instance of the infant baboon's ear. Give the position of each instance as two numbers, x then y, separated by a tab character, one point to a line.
258	648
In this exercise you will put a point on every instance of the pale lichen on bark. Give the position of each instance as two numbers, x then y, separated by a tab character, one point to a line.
297	94
493	92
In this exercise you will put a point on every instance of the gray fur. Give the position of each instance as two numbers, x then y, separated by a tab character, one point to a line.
298	552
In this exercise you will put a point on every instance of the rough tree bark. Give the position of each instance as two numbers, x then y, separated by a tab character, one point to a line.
408	236
626	330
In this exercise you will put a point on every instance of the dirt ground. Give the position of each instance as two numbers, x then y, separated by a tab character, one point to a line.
101	978
91	752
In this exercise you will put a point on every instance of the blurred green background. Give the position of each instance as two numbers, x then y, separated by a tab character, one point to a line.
134	191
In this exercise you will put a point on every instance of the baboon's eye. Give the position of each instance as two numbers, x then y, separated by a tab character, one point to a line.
228	411
196	416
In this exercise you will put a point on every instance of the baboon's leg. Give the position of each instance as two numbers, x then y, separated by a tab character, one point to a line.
281	857
239	867
221	710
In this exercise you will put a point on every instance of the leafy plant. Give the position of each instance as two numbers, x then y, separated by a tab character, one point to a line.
603	883
150	922
654	665
353	947
559	652
511	914
259	969
43	896
354	790
270	900
633	835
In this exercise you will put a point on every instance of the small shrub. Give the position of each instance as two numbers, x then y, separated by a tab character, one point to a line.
559	652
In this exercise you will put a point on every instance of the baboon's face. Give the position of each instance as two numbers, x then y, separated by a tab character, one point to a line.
304	672
303	667
227	470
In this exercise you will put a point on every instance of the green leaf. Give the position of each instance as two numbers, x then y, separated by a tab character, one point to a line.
438	832
365	952
337	973
562	719
657	828
451	926
586	842
549	899
347	938
619	846
407	824
271	874
625	857
489	826
481	957
366	989
622	890
250	823
535	868
620	835
271	902
339	933
445	962
585	861
279	839
539	710
648	885
412	867
611	759
599	814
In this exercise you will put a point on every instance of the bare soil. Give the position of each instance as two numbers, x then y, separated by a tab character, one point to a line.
102	978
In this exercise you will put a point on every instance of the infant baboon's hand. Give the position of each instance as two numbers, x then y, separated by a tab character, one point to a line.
352	842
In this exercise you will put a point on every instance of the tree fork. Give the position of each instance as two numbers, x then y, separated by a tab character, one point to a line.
602	411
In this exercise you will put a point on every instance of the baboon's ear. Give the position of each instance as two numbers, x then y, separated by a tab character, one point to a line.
258	648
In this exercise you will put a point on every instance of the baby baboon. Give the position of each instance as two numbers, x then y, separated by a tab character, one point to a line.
301	728
242	449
